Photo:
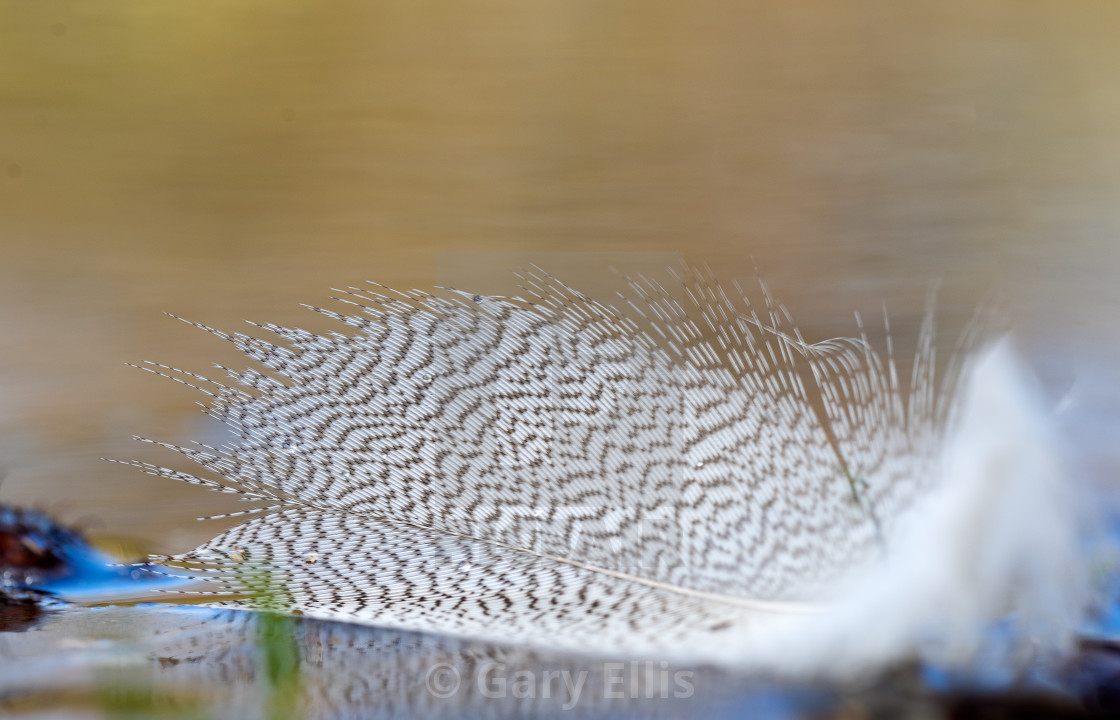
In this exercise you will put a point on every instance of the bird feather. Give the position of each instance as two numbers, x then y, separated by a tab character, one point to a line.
677	476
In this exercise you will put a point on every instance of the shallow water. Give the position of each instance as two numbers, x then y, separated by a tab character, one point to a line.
231	162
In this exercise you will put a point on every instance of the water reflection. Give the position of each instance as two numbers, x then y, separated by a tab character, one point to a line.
343	670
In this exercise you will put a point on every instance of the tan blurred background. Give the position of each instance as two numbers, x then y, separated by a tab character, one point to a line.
229	160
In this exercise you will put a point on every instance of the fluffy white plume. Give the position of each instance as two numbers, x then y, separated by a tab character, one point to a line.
997	535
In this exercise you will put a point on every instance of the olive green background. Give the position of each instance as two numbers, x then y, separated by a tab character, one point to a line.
229	160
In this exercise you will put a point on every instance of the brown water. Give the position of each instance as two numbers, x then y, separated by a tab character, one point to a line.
231	160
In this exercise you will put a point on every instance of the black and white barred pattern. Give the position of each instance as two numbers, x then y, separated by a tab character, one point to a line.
553	471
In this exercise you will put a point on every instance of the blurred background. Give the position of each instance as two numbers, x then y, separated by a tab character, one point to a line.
230	160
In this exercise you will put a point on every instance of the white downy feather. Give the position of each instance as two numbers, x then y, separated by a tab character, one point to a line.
997	536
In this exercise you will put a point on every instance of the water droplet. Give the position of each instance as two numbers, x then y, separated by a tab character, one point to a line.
477	298
698	465
463	566
538	512
384	453
426	377
287	444
310	558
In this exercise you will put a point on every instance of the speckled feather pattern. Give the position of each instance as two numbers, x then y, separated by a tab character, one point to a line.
553	471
